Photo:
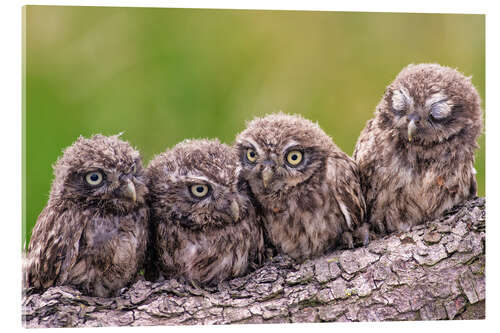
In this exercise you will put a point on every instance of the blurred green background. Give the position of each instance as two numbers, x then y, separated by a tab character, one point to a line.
162	75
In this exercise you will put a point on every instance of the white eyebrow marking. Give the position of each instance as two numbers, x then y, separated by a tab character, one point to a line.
291	144
435	98
253	143
401	98
196	177
190	177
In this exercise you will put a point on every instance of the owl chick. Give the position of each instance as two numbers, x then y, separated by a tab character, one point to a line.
416	156
308	189
93	232
205	226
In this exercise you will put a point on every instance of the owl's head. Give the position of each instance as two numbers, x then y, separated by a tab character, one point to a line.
428	104
280	151
101	172
195	185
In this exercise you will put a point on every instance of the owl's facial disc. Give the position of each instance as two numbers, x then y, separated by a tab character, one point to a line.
270	169
216	212
420	118
194	201
114	188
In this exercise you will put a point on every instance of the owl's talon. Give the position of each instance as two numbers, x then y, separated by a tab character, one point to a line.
347	240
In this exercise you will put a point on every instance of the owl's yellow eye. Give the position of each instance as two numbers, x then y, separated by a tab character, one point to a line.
251	155
94	178
199	190
294	157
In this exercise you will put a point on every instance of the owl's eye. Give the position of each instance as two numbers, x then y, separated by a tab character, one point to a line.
134	169
251	155
440	111
94	178
294	157
399	100
199	190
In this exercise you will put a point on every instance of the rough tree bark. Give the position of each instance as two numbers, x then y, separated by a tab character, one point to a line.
435	271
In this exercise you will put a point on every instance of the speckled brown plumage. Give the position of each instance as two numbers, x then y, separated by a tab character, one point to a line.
93	232
416	156
205	226
308	189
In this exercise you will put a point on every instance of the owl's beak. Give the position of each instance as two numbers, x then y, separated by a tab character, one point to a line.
235	210
412	129
129	191
267	174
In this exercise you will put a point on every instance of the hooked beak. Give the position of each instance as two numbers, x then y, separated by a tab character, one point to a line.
235	210
129	191
267	174
412	129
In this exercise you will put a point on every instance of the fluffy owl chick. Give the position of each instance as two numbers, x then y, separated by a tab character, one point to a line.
205	226
308	189
416	156
93	232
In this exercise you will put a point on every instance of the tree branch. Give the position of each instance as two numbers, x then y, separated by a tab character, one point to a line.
435	271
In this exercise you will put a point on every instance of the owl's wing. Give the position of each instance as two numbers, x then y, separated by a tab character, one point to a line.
365	154
363	141
53	248
348	194
473	184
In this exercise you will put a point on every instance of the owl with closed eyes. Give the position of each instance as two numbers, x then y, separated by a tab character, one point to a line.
416	156
93	232
205	226
308	190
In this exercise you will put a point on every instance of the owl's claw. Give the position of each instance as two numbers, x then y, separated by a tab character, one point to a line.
347	240
366	240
